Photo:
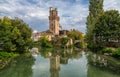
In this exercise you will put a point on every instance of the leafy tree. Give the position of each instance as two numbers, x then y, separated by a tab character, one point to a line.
15	34
95	10
107	28
76	35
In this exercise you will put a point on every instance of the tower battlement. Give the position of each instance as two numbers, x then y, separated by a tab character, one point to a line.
54	21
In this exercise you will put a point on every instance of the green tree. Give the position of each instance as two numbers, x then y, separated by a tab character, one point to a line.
15	34
76	35
95	10
107	28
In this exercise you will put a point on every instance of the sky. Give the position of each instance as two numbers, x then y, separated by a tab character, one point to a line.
72	13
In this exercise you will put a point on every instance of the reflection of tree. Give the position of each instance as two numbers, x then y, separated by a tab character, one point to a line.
65	54
20	67
59	56
70	54
99	66
46	52
98	72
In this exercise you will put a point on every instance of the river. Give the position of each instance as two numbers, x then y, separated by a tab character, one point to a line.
60	63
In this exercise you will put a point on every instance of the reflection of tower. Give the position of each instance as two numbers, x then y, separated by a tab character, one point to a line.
54	25
55	66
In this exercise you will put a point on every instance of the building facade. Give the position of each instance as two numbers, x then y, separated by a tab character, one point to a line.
54	25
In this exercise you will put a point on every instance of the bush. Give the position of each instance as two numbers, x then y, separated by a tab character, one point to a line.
116	53
45	43
80	45
94	47
107	50
6	55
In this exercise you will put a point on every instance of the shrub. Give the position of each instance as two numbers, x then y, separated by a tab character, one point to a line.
6	55
107	50
116	53
94	47
80	45
45	43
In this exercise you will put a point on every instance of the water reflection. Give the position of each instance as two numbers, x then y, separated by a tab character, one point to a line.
61	63
55	65
99	64
19	67
60	57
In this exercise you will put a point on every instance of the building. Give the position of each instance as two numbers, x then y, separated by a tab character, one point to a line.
54	25
55	29
37	35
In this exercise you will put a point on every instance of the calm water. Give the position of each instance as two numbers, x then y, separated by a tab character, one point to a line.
59	63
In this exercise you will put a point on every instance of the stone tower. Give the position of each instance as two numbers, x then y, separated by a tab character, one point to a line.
54	25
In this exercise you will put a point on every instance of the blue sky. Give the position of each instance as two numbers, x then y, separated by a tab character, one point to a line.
72	13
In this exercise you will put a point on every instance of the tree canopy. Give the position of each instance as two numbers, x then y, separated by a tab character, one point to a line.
95	10
107	27
15	34
76	35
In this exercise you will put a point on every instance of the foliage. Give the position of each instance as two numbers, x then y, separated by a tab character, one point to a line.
45	43
95	10
76	35
64	40
107	28
116	53
6	55
20	65
15	35
107	50
79	36
94	47
79	45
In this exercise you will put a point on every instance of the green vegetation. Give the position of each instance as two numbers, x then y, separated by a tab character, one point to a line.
95	10
45	43
77	36
114	52
107	50
64	41
19	67
6	55
15	35
107	29
5	58
103	29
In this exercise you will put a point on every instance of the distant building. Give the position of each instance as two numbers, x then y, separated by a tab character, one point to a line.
55	29
54	25
36	35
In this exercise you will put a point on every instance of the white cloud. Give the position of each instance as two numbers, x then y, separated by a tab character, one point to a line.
72	13
112	4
